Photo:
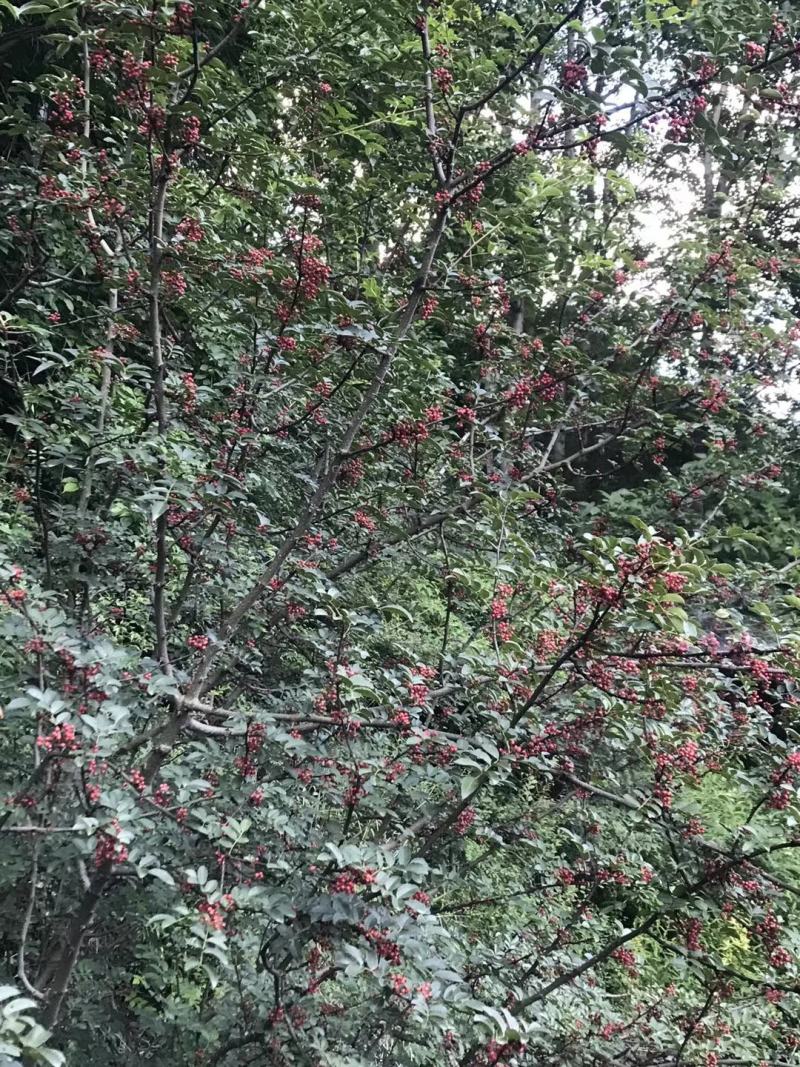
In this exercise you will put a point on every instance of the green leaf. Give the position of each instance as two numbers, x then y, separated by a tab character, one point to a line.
20	1004
52	1057
469	784
162	875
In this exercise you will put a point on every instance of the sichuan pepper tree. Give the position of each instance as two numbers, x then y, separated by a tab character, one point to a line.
399	578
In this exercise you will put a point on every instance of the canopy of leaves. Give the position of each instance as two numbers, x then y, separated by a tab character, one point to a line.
400	574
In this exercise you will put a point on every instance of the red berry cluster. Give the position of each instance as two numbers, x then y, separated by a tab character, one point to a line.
101	60
307	201
175	282
780	958
190	131
365	522
694	929
499	1053
784	777
444	79
212	915
62	115
625	958
189	393
753	52
464	821
428	307
190	229
715	399
109	851
60	739
573	74
181	21
383	944
499	611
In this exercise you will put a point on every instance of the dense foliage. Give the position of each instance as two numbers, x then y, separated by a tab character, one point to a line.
399	573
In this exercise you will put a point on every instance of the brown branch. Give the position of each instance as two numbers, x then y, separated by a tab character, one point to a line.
159	400
200	62
42	830
64	963
22	973
593	961
430	115
507	80
330	466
